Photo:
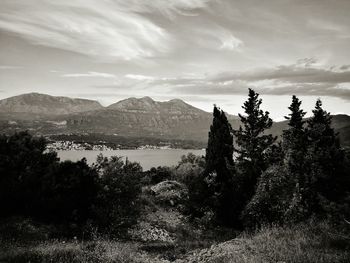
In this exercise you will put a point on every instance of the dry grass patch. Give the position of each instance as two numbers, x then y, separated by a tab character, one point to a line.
303	243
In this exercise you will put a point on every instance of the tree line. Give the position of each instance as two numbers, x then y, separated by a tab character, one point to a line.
252	179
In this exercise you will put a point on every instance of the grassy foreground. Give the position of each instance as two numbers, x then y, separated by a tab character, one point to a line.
301	243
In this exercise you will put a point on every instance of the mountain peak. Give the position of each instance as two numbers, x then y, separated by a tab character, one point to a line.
146	98
147	104
134	104
177	101
39	103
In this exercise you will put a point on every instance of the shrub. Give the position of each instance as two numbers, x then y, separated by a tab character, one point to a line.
117	204
272	198
69	191
190	167
23	166
169	193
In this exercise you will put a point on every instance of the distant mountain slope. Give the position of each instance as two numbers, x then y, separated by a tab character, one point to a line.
43	104
148	105
132	117
340	123
145	117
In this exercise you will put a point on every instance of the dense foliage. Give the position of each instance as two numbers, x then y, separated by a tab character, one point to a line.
34	183
23	166
116	207
303	176
212	193
312	180
252	143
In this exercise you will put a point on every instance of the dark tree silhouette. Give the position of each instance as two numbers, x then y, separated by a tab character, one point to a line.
219	152
252	143
23	165
219	168
295	142
213	191
325	158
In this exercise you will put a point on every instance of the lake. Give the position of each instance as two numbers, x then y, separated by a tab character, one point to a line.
146	157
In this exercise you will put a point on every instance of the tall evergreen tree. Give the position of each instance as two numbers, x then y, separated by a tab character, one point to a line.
278	192
296	116
219	168
294	138
295	147
252	143
219	153
325	159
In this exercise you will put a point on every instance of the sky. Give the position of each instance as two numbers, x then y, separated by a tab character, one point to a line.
202	51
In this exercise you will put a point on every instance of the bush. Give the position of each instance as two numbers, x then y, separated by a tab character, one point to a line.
23	167
190	167
117	204
272	198
169	193
69	191
72	195
190	171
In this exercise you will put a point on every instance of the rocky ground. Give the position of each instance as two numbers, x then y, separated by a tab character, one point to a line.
163	234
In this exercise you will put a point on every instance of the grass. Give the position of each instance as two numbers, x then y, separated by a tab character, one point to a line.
58	251
311	242
298	244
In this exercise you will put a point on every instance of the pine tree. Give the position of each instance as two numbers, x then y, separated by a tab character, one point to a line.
325	159
294	138
295	147
277	197
252	143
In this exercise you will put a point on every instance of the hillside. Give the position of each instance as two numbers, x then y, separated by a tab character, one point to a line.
341	124
173	119
132	117
42	104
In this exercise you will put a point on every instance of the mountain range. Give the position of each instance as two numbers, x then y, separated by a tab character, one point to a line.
132	117
42	104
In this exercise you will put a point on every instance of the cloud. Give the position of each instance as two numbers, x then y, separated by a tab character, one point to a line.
301	78
139	77
7	67
90	74
295	73
168	8
230	42
108	30
345	67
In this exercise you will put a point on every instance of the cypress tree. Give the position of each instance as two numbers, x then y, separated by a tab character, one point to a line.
219	168
219	153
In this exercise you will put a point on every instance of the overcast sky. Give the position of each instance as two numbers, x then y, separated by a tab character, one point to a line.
202	51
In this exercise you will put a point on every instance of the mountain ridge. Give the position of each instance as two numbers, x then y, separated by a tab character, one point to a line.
131	117
38	103
30	103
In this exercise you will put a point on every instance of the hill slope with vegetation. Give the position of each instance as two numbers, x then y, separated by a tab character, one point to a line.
283	200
